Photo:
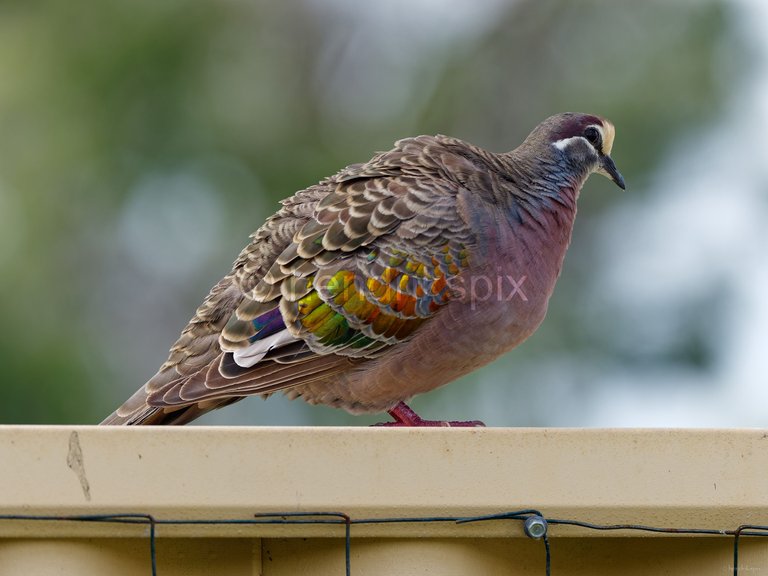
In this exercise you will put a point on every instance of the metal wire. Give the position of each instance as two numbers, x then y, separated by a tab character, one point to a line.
745	530
340	518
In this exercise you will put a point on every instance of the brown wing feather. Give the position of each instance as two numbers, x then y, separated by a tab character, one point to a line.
404	198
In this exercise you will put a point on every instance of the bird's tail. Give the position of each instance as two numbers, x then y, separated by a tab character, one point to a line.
137	412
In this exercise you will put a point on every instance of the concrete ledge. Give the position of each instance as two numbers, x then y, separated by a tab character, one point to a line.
669	478
693	478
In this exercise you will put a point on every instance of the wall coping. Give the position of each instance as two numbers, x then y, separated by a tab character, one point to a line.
700	478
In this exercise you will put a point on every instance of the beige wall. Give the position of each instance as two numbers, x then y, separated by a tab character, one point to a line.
701	479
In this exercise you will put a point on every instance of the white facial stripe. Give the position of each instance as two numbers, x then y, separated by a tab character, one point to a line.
606	136
565	142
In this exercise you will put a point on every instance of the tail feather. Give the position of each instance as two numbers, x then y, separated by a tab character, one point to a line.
136	412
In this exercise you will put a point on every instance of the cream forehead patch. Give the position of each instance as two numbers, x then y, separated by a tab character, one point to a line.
609	133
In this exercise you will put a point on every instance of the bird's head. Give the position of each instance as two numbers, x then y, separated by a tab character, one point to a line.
582	140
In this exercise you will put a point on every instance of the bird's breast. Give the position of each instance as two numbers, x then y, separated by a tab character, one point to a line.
513	272
497	302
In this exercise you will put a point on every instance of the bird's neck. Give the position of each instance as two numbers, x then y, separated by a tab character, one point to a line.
535	185
536	195
528	219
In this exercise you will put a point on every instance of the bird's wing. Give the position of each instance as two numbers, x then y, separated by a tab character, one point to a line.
344	271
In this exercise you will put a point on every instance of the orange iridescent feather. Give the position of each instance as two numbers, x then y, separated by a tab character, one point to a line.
389	300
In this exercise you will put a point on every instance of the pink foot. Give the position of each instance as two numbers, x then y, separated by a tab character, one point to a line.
405	416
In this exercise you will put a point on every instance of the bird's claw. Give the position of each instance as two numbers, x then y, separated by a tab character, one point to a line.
405	417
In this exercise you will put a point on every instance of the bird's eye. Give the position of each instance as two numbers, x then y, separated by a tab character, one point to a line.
592	134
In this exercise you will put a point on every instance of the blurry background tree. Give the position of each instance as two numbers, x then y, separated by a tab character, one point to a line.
141	142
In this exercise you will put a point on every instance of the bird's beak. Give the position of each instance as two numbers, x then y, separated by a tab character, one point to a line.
608	168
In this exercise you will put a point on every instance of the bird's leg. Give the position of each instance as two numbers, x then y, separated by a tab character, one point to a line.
405	416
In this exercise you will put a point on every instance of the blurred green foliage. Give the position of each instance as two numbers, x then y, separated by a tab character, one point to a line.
103	102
